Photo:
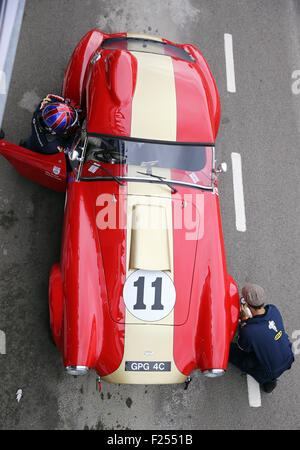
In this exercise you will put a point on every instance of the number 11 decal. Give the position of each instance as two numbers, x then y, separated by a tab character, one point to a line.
149	295
140	284
157	299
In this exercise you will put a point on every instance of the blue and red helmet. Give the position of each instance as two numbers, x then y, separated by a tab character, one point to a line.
59	117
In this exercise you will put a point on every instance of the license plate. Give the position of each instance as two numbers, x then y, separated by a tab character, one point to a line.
148	366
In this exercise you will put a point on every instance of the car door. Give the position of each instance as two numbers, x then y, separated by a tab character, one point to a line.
47	170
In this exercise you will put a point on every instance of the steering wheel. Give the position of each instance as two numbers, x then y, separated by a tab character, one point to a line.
110	157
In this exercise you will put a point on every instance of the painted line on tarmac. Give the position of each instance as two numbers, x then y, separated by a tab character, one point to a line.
11	17
254	396
230	74
238	192
2	343
3	84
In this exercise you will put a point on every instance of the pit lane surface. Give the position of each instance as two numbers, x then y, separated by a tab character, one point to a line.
260	121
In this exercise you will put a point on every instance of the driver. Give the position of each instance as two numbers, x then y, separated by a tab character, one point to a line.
54	123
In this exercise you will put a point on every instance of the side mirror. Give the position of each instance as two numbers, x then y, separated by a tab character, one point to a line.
222	168
75	155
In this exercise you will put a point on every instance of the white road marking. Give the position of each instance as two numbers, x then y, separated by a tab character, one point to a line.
230	74
2	343
11	16
3	88
238	191
253	392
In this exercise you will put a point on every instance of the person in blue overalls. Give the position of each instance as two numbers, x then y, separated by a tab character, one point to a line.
263	349
54	123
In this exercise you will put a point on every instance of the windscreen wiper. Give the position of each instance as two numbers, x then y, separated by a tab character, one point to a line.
117	179
163	179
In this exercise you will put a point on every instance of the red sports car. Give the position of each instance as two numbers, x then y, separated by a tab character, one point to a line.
141	293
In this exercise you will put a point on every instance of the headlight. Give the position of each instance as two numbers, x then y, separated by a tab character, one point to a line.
77	370
213	373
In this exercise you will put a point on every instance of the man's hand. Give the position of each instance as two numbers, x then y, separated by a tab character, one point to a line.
244	312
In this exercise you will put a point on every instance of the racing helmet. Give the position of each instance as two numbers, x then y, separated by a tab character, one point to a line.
59	117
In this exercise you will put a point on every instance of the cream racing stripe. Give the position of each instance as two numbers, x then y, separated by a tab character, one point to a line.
153	240
148	249
154	112
150	224
149	342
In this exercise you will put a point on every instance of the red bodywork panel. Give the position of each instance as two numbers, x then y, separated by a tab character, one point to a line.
107	87
203	340
110	89
47	170
88	336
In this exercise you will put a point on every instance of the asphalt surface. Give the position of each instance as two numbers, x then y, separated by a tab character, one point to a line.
261	121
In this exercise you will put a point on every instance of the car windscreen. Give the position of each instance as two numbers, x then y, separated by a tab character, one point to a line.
146	45
182	163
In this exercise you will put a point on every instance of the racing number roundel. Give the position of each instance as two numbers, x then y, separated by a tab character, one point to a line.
149	295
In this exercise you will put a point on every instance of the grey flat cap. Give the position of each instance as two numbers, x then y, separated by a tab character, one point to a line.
254	294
